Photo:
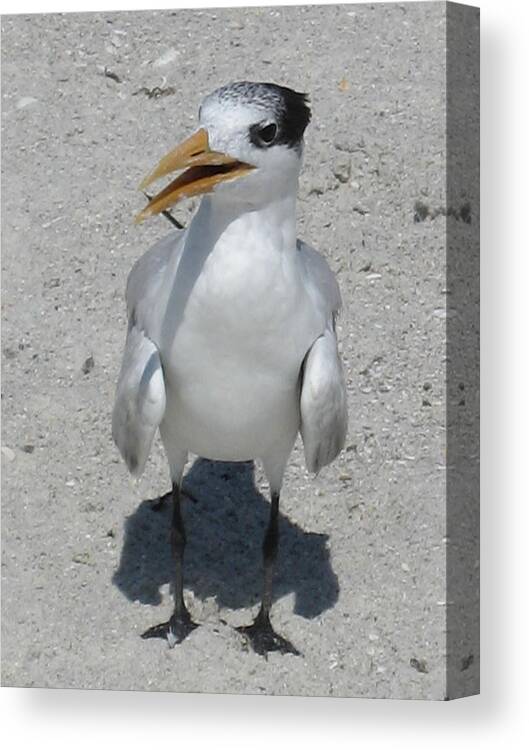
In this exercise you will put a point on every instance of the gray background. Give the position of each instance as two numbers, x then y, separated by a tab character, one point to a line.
360	587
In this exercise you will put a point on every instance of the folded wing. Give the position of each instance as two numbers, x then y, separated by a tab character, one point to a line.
140	400
323	397
323	403
140	394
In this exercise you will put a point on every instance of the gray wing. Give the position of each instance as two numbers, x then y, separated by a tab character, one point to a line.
147	274
323	403
140	399
323	398
321	281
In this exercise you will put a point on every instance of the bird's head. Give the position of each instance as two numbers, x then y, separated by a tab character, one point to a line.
247	149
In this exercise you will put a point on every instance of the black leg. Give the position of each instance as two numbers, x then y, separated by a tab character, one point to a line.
260	633
180	624
270	555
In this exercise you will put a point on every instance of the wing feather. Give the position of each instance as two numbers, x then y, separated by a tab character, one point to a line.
321	281
140	400
147	274
323	403
323	398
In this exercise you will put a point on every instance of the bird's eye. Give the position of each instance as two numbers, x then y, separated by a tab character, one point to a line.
268	133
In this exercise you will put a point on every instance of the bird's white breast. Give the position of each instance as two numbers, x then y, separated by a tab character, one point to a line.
237	325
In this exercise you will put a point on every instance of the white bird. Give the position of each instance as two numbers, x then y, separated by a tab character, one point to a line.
231	347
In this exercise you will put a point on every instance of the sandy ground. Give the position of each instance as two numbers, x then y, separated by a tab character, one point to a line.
90	102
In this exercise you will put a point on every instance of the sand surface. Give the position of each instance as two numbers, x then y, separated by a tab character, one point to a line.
90	102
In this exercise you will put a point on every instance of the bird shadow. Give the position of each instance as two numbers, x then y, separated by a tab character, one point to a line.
223	559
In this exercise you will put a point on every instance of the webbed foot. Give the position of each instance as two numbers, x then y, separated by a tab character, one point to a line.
175	630
263	638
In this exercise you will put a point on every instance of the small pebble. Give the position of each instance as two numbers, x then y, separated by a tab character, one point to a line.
8	453
419	665
166	58
82	558
88	365
26	101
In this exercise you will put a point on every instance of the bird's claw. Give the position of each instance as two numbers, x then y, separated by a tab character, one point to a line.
174	631
263	639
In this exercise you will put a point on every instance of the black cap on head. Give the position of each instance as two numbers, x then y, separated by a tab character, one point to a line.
289	108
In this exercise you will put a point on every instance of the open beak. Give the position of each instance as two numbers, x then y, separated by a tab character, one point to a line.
203	170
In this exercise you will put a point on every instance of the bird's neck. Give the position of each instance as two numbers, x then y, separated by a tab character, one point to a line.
274	222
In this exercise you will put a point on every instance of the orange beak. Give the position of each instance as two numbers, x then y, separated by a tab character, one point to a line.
204	169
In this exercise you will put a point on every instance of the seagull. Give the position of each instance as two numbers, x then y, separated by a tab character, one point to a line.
231	347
